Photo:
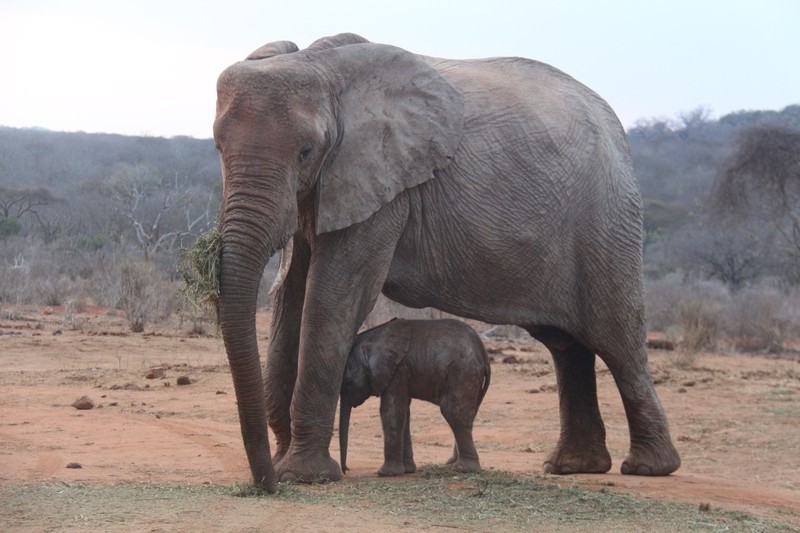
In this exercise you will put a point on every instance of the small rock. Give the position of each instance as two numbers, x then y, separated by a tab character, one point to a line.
660	344
57	332
156	372
681	390
184	380
221	392
74	465
510	360
83	403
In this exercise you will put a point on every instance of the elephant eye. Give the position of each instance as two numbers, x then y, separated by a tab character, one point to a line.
305	151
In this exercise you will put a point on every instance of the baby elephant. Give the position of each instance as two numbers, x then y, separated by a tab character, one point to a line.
440	361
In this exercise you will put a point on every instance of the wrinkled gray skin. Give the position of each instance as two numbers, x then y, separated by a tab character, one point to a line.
498	189
440	361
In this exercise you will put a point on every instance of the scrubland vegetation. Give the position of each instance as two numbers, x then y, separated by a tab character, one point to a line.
100	220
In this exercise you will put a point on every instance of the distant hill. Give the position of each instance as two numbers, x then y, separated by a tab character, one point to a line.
676	162
63	162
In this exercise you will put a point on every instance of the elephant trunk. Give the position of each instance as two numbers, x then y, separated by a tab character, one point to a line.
344	430
255	222
239	279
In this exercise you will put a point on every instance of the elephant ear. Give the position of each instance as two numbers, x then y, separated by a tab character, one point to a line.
273	49
383	362
384	349
399	121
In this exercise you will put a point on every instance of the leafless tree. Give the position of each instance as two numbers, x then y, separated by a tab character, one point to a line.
762	179
159	209
18	201
736	254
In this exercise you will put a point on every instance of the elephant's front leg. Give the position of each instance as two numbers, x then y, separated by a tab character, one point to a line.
346	272
395	410
281	370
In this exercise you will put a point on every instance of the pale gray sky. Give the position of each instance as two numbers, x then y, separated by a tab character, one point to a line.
150	66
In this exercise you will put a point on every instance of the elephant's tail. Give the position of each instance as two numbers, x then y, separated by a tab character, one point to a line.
487	377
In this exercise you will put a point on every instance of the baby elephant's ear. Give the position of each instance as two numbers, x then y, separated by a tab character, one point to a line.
383	366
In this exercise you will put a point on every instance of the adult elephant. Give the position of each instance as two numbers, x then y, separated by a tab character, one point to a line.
498	189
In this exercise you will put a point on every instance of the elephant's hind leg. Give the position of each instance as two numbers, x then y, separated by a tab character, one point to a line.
652	452
465	456
454	456
581	446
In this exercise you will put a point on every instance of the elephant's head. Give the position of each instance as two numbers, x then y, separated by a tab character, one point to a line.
317	139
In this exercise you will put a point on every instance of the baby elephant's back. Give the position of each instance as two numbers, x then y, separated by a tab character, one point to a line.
446	355
454	341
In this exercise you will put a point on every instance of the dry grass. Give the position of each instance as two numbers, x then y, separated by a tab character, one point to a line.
503	501
439	498
200	270
700	319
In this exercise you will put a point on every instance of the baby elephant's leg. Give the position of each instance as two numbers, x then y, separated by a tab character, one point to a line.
408	452
394	411
454	457
460	413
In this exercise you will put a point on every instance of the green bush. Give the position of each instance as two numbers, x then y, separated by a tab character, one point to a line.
9	227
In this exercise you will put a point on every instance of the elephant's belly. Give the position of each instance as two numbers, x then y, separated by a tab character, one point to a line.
499	265
500	290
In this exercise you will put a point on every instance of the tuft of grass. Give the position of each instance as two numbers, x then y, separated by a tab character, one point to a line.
700	319
199	267
684	359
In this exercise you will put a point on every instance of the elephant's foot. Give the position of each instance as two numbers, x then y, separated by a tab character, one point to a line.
283	438
467	466
308	467
410	467
651	461
393	468
279	454
567	460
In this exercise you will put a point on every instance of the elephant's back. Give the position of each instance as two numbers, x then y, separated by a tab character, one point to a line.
550	98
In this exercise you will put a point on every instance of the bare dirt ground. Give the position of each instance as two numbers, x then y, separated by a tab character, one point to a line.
734	418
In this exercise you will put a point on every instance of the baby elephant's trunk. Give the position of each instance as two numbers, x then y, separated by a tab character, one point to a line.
344	430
